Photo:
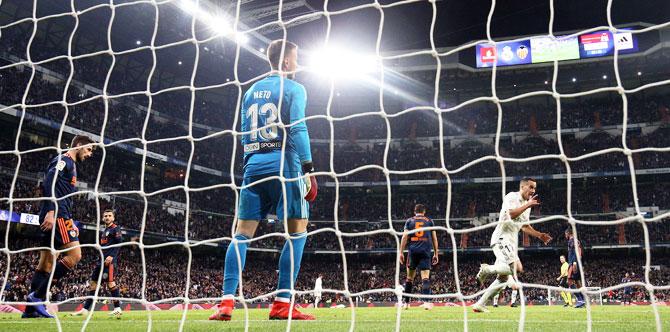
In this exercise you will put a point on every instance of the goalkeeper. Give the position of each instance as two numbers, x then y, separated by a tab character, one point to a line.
275	99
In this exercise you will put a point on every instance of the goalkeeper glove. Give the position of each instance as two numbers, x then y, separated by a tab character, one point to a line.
310	182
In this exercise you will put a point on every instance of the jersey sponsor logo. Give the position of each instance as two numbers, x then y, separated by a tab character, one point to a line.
251	147
262	146
60	165
270	145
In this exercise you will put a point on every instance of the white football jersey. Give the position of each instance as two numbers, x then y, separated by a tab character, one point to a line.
510	230
317	284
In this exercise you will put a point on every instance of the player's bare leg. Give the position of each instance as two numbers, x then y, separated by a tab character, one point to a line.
247	229
282	309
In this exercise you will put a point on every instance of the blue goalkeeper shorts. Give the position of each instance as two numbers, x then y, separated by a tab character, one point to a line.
267	197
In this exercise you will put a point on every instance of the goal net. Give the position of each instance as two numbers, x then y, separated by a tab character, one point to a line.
158	86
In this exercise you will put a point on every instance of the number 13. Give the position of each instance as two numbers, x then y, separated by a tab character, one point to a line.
268	110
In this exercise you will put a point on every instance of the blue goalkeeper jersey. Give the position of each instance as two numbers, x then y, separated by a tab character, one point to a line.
260	108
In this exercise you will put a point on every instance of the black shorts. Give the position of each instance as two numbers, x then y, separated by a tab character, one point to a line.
563	282
420	260
65	232
107	272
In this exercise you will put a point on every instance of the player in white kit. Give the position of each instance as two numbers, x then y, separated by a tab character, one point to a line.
514	213
318	287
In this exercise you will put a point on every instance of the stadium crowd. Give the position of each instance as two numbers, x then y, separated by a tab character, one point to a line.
364	274
359	212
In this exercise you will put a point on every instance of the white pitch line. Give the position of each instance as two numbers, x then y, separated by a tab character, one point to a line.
358	321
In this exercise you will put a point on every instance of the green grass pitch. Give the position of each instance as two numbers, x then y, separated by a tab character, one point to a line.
538	318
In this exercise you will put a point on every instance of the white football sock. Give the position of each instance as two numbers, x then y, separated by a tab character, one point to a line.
490	291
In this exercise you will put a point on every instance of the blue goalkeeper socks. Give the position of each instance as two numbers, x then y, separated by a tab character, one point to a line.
285	264
231	275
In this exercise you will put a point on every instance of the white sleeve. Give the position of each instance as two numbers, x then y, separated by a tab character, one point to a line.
511	202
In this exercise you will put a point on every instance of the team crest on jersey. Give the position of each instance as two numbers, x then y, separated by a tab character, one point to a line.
107	233
104	276
73	233
61	165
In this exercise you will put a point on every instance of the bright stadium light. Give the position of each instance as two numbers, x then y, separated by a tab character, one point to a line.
574	80
242	39
189	6
139	42
220	24
639	73
341	63
604	77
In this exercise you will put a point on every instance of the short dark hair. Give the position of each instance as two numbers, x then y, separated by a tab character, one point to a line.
275	49
419	208
526	180
80	140
109	211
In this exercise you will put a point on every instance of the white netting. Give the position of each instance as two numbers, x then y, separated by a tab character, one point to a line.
331	118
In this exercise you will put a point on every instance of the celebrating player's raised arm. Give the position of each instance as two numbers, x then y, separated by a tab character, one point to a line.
516	212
